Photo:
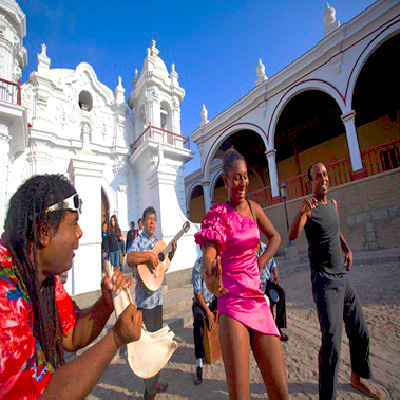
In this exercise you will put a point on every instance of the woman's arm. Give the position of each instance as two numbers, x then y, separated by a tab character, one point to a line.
212	274
266	227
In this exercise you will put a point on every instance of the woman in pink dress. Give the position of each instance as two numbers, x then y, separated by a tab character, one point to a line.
230	233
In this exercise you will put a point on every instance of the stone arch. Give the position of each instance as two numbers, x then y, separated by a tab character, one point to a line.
165	116
370	48
225	134
196	204
106	188
218	189
310	128
105	207
377	109
311	84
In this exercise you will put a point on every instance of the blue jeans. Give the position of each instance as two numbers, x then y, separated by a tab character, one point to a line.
113	256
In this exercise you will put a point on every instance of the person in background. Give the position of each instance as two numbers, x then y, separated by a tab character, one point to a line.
104	244
38	319
204	305
140	226
269	285
131	236
114	237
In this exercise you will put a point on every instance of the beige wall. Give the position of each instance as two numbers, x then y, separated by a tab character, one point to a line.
378	132
197	209
330	151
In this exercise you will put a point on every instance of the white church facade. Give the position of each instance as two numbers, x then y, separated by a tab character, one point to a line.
121	154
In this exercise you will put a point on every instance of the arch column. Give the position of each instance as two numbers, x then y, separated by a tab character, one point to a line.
85	172
273	175
207	195
352	142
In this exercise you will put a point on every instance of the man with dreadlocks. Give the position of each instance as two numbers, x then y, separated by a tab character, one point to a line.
38	319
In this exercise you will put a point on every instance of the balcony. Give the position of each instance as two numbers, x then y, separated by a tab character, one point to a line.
10	92
162	136
376	160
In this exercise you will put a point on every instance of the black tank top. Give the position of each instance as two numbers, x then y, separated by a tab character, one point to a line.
323	236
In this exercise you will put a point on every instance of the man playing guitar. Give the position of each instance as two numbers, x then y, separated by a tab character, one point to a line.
149	302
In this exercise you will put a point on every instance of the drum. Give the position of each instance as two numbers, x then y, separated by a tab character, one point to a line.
212	347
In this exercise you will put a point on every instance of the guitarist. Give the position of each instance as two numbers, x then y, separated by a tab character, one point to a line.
149	302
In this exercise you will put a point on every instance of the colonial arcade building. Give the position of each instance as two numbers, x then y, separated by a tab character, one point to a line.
339	104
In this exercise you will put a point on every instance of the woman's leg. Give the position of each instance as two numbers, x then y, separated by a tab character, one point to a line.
235	346
267	351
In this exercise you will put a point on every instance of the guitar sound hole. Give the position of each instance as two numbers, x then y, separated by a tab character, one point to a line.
161	256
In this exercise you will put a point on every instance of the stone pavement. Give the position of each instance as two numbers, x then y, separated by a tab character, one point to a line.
118	382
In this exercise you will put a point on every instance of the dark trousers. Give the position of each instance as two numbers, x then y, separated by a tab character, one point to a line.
280	306
337	302
153	320
199	315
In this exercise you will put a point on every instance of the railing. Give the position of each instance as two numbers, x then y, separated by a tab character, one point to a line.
382	158
375	161
339	173
10	92
163	136
296	186
262	196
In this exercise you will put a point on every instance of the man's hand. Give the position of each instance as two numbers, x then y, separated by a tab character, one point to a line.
348	259
308	204
210	320
152	260
104	254
276	278
117	283
128	325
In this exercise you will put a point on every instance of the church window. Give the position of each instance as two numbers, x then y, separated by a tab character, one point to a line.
163	118
85	100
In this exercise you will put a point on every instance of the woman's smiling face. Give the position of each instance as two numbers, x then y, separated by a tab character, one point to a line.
237	182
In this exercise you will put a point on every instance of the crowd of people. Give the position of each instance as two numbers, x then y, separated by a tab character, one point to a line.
235	284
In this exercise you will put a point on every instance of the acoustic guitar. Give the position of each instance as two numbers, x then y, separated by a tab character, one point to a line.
152	278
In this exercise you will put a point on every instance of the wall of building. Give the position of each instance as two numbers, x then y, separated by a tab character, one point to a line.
378	132
197	209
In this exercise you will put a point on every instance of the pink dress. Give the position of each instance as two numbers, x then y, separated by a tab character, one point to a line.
236	238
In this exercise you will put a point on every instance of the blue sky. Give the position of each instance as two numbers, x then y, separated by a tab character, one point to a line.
215	45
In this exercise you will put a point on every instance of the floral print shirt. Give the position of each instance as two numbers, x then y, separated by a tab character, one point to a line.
24	371
144	297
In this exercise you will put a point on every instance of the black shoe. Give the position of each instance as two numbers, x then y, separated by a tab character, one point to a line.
199	376
284	337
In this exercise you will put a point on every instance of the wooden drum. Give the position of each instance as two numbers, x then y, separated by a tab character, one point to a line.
212	347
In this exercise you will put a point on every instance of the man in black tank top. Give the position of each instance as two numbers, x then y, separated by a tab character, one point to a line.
336	299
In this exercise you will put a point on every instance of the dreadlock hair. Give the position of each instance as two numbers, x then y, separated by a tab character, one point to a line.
26	218
230	156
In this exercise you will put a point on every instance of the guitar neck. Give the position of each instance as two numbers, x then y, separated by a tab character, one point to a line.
176	237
